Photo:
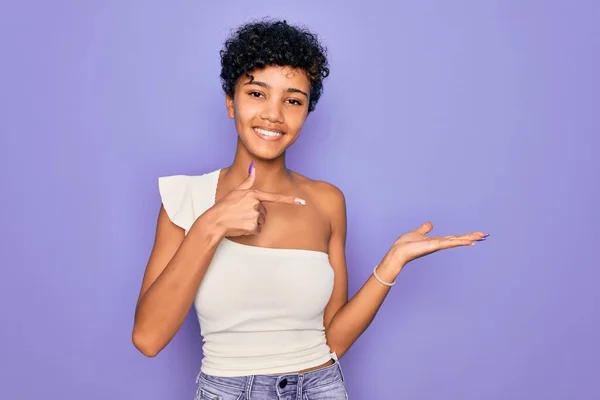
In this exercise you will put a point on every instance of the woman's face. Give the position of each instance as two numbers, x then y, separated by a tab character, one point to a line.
269	109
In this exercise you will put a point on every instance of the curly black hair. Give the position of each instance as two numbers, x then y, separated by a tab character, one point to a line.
274	43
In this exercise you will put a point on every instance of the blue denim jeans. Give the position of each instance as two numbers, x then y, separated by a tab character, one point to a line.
322	384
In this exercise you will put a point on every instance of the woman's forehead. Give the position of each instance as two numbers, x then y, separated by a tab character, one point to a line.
278	77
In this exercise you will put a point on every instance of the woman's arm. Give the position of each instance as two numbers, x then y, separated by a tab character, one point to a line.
178	262
345	320
175	269
355	316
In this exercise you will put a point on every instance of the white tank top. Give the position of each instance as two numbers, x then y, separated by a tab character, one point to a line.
260	309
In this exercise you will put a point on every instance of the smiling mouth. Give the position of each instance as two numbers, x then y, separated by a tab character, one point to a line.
267	134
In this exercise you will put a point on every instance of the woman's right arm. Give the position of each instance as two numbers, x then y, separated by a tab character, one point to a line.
178	262
175	269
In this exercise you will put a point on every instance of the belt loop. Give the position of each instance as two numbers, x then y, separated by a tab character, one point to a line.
249	383
339	366
341	371
300	388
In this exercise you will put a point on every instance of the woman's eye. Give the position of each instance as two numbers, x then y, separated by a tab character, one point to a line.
255	94
295	102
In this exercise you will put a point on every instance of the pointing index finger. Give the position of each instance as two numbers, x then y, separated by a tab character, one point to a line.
278	198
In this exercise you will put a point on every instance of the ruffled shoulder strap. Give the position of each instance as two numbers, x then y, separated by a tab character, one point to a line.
186	197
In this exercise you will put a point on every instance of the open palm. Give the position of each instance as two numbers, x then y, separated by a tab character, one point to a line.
416	243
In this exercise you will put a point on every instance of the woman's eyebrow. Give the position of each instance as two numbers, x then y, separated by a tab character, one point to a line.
265	85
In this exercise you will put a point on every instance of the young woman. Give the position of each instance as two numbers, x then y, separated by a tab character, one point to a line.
258	248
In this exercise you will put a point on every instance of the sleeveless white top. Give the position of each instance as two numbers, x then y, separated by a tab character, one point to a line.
260	309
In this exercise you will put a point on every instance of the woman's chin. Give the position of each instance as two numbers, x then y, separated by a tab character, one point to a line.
266	155
266	151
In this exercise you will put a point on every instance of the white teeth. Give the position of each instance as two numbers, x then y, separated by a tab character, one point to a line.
265	132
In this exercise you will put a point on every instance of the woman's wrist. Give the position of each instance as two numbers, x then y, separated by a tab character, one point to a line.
389	269
209	226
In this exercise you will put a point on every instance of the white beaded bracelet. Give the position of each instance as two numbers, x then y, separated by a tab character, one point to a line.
381	280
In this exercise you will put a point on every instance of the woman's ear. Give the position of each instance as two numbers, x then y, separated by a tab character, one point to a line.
230	108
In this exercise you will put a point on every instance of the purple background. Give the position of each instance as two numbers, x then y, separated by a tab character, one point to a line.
476	115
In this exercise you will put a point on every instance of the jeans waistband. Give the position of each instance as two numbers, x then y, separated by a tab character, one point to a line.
322	376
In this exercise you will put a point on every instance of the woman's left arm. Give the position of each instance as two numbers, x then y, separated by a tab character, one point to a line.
346	320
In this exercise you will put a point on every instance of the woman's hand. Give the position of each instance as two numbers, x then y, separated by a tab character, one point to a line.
241	211
416	244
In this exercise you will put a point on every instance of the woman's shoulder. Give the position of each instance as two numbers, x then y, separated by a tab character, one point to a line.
183	196
326	195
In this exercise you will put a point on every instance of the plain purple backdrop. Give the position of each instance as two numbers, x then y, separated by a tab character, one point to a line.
476	115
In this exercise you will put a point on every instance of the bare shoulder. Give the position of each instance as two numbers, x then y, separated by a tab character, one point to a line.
324	195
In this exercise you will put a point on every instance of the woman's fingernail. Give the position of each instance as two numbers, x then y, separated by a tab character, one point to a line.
300	201
486	235
250	167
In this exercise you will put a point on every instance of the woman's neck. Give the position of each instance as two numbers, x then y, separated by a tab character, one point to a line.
270	174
